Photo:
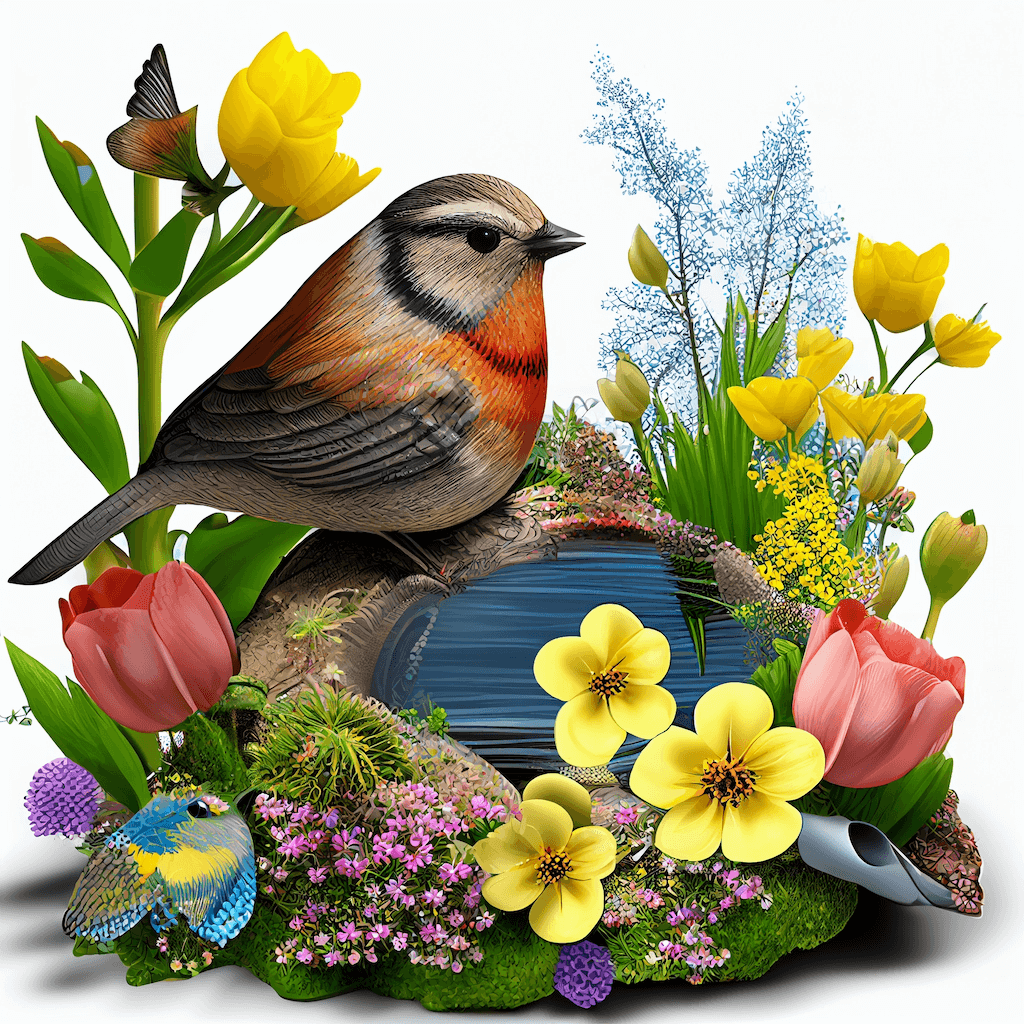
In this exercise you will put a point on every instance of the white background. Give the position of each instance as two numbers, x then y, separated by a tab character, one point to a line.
915	117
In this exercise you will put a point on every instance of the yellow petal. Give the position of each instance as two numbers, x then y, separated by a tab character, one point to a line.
290	170
334	187
247	131
788	399
568	910
565	666
607	628
669	768
643	711
513	890
561	790
591	852
585	734
691	830
763	423
760	828
729	717
505	848
787	762
933	263
268	73
553	823
645	657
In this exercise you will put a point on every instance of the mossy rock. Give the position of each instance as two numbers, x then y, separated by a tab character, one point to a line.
518	968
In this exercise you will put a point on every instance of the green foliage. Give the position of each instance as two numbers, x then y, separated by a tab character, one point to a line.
698	598
208	756
899	808
922	437
137	951
84	418
20	716
771	620
436	720
542	468
83	732
316	623
237	558
81	187
158	268
323	745
778	680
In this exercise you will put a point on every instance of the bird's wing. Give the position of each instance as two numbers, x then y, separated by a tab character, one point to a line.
111	895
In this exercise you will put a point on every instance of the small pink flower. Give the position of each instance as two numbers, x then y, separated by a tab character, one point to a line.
305	956
353	958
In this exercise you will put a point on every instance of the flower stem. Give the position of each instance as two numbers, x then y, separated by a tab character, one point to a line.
883	369
933	620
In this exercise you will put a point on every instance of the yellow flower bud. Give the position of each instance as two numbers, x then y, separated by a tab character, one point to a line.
963	343
881	469
870	418
951	550
770	405
894	581
645	260
278	128
821	355
628	395
895	286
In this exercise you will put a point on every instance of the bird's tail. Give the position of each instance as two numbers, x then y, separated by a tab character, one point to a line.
144	493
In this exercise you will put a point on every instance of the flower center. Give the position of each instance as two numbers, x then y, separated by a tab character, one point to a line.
609	682
728	782
553	867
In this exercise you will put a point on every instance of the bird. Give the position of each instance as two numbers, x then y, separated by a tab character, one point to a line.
184	852
400	389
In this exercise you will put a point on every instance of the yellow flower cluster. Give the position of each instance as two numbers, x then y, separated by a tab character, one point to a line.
801	554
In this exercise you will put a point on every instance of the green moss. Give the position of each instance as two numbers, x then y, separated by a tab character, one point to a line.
208	756
518	968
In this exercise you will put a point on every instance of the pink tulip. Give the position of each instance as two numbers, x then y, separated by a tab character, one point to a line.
150	650
879	699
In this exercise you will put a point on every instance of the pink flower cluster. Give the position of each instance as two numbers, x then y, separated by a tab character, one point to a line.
389	882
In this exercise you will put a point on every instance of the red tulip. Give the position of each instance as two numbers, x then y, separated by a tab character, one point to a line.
879	699
150	650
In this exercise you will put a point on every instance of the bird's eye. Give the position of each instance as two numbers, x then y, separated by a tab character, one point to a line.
484	239
198	809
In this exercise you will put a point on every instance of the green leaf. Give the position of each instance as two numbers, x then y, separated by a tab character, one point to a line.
236	559
765	349
84	418
83	732
66	273
922	438
159	267
76	177
778	680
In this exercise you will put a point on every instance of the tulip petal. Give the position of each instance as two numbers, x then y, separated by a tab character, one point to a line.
553	823
248	131
565	666
731	716
645	657
337	183
933	263
568	910
513	889
591	852
607	628
561	790
669	768
763	423
906	648
787	762
506	848
692	830
219	614
585	733
643	711
760	828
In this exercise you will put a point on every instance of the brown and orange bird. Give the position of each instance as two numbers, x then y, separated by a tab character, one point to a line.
400	389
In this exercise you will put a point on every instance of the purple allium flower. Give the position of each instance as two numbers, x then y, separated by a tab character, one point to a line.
62	799
584	973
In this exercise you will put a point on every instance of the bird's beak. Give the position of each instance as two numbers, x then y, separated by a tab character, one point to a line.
552	240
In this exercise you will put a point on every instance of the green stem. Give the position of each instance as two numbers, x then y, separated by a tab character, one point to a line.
928	367
926	346
649	460
883	369
240	223
933	620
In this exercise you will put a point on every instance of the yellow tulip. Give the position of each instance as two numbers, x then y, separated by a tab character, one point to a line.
628	395
542	860
895	286
278	128
608	676
646	261
772	405
728	783
894	582
963	343
821	355
881	469
872	418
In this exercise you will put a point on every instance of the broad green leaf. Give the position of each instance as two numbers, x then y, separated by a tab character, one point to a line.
82	731
84	418
76	177
922	438
159	267
66	273
778	680
236	559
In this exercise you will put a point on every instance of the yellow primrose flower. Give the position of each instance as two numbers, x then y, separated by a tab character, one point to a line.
895	286
871	418
821	355
278	128
772	405
963	343
628	395
608	677
728	783
542	860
